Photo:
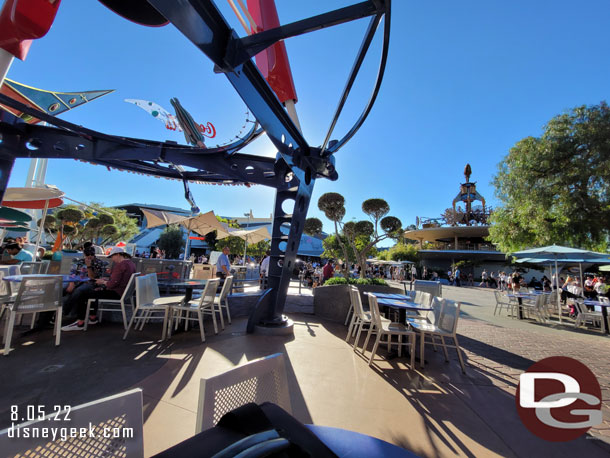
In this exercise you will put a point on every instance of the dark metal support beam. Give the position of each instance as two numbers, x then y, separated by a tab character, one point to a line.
364	47
292	173
247	47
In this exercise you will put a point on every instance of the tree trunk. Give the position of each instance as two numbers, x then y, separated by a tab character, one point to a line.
362	262
345	269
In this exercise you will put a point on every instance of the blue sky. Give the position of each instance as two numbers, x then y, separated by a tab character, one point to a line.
464	82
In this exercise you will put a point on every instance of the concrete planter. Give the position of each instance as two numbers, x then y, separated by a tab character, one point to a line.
332	302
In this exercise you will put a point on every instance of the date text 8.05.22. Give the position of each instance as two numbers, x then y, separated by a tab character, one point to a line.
30	413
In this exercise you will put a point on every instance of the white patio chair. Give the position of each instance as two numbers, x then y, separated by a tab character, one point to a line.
34	267
105	305
149	302
586	316
360	318
36	294
7	295
432	316
222	300
349	318
389	329
44	268
8	289
118	416
258	381
425	299
446	327
351	330
534	304
202	306
417	297
502	300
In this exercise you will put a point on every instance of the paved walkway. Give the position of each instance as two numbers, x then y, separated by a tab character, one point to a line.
504	347
435	412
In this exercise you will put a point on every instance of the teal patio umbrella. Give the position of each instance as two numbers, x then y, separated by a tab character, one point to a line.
10	215
555	254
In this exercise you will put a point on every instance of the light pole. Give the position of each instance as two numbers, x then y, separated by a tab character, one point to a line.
249	215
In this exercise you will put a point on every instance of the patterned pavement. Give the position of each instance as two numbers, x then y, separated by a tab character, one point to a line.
502	347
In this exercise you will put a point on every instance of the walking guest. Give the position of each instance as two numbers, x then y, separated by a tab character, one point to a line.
516	281
327	271
264	270
484	279
122	269
601	288
223	265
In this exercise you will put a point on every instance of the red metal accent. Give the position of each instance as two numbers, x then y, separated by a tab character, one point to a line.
273	61
32	204
22	21
194	237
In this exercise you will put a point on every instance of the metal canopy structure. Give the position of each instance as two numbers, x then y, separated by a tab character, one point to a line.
292	173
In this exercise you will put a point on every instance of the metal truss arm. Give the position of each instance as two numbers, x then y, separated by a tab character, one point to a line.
247	47
147	157
380	72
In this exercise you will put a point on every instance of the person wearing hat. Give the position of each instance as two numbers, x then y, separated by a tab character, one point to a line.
113	288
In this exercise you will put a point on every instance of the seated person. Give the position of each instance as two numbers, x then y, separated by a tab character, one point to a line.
18	255
546	283
25	245
121	272
534	283
95	269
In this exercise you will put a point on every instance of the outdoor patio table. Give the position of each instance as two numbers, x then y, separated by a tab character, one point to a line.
604	308
520	297
342	443
188	285
399	297
65	278
402	306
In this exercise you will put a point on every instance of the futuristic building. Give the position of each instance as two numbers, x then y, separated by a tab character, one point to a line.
459	235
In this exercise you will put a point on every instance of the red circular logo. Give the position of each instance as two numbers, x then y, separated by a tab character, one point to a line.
559	399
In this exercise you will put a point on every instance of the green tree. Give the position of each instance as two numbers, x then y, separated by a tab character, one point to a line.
333	206
334	249
127	227
93	223
69	218
403	252
312	226
236	245
171	241
362	236
259	249
211	238
556	188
